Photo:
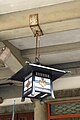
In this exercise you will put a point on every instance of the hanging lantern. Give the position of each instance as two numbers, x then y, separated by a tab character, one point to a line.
37	80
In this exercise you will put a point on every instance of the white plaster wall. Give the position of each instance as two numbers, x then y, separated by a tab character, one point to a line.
10	101
67	83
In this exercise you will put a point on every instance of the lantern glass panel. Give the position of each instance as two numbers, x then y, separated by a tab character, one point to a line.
42	84
27	84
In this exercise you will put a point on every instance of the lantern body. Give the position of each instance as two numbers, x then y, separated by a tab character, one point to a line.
37	85
37	80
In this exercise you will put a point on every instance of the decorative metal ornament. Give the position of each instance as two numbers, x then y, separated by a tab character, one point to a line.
42	82
34	25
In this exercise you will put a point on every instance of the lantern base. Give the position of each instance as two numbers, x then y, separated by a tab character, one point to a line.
37	95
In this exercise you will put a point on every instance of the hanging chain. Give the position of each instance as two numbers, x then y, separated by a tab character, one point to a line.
37	58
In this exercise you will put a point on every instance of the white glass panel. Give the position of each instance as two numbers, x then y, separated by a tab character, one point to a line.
28	84
42	84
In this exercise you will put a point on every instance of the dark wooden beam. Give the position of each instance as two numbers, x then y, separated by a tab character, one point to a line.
67	93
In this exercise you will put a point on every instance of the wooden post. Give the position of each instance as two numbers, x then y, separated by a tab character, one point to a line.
40	111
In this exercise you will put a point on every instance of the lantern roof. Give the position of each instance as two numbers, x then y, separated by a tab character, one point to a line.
30	68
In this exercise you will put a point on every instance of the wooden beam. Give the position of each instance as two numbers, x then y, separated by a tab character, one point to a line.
4	77
7	72
61	17
16	52
67	93
6	106
52	13
47	28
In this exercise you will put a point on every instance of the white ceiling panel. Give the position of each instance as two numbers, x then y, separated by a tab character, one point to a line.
7	6
62	57
48	39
